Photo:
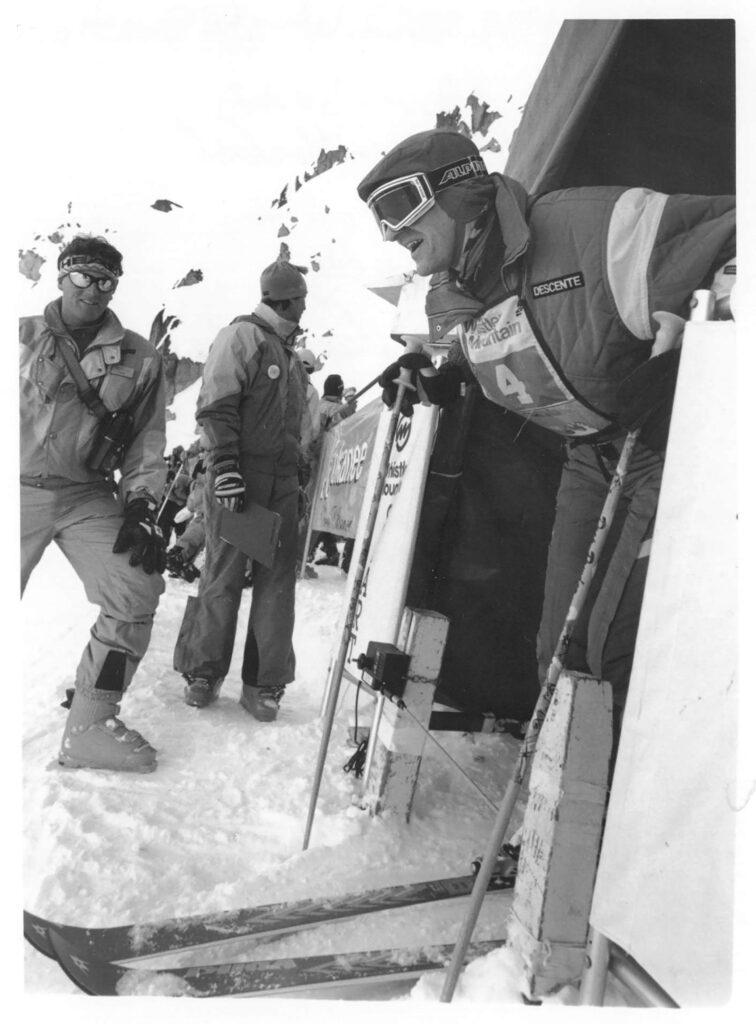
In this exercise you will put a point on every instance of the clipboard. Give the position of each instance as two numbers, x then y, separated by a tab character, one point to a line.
254	531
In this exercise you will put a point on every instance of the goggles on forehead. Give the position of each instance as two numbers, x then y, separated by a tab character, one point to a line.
399	203
81	280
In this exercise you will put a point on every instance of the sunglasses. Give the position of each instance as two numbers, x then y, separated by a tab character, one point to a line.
401	202
81	280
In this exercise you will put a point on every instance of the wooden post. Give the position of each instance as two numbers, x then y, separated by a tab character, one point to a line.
398	739
561	834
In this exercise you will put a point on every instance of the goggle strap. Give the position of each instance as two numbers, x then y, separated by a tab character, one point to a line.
455	172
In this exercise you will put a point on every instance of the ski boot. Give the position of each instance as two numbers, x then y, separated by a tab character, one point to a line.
262	702
106	745
200	692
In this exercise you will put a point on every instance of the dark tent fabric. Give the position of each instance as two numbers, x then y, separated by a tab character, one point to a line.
636	103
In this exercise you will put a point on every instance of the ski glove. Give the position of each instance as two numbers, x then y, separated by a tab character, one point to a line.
229	484
440	387
388	380
645	399
141	535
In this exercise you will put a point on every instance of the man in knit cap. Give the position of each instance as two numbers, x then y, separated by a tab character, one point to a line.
93	404
550	301
251	411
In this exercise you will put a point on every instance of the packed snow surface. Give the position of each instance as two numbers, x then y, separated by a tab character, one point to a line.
220	824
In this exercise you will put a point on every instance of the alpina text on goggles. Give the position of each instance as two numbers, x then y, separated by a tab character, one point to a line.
82	280
401	202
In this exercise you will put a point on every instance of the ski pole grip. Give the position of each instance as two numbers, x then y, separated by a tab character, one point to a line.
405	375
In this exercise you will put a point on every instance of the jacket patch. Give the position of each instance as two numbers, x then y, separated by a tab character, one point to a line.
558	284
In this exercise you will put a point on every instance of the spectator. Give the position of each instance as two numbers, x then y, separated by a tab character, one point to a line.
333	409
93	406
251	410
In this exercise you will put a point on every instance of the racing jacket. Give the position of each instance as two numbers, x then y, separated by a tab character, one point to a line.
252	403
557	310
57	430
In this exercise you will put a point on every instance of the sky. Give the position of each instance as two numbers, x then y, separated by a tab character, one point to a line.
193	95
217	107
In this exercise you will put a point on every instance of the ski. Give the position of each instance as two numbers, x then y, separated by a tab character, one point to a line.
301	974
128	943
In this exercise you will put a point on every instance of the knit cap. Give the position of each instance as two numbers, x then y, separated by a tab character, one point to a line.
282	281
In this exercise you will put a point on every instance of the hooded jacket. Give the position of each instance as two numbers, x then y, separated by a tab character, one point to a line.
252	403
58	431
557	310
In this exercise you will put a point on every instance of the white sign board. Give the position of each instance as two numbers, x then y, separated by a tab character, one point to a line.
664	891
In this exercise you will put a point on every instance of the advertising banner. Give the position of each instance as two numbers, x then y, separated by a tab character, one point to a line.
344	462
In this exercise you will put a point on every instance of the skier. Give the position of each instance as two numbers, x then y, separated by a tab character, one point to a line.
92	402
550	300
251	410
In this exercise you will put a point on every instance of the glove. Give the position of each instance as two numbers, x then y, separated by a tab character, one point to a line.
645	399
229	485
388	381
141	535
347	410
441	387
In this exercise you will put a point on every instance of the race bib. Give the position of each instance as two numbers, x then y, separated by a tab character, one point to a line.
515	371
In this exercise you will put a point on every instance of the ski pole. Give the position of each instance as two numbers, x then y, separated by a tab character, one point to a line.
337	670
367	387
531	736
168	493
667	336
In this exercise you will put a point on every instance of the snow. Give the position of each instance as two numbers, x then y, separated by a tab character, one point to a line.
220	824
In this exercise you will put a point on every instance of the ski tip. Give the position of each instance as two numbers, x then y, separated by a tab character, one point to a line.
92	976
103	978
35	933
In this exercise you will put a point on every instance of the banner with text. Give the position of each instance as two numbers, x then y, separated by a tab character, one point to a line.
344	461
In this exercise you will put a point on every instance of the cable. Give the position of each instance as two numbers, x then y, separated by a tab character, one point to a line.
400	704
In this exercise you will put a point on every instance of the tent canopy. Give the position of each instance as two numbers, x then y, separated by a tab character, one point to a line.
635	103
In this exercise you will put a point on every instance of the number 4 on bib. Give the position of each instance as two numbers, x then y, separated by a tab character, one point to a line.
508	384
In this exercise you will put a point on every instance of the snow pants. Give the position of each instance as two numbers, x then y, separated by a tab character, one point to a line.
206	638
84	519
603	642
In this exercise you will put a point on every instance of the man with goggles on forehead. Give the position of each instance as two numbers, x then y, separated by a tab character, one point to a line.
549	301
93	423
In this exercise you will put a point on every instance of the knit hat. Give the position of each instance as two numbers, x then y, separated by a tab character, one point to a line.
282	281
333	386
307	358
452	164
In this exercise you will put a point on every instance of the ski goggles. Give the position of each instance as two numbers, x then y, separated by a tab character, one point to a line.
401	202
89	266
81	280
